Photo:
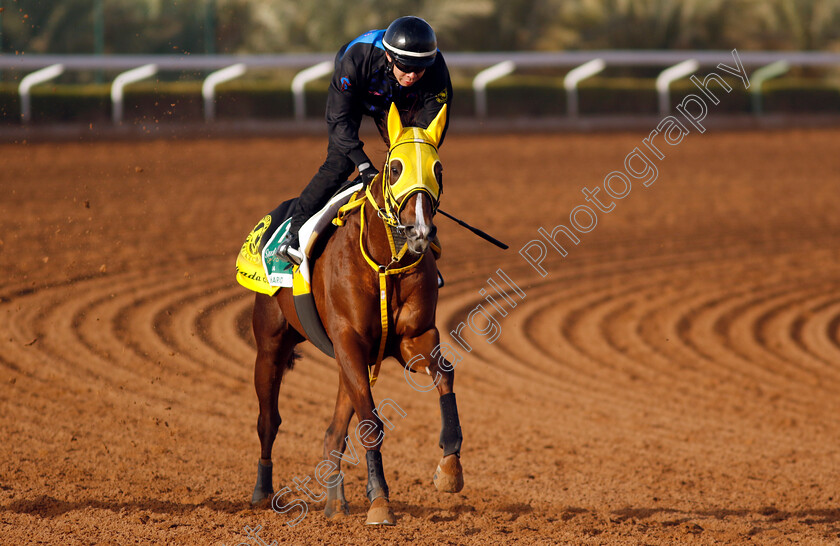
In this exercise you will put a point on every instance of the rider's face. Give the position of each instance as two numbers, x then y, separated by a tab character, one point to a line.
407	76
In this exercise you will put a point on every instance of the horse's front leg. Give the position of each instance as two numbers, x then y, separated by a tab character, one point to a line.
424	352
352	357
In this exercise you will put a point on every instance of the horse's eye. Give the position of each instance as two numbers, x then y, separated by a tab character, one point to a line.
439	173
396	171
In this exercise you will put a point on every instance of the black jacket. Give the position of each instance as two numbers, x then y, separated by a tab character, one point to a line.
363	85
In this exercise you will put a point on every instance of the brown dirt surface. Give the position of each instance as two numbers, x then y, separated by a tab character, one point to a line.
673	380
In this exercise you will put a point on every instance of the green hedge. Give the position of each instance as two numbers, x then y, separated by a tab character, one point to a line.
785	95
522	96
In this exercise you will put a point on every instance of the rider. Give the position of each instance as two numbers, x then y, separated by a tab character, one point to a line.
401	65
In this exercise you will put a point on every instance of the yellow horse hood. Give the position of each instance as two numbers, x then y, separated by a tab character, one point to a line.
416	151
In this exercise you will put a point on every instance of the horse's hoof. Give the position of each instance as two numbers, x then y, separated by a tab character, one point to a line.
380	513
261	499
336	509
449	476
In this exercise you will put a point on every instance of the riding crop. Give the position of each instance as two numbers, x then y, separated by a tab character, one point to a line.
477	231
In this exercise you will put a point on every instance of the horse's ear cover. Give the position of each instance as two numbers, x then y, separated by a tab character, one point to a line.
435	128
395	125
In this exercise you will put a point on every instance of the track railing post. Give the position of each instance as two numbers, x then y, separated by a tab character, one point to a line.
131	76
299	84
671	74
208	88
29	81
574	77
484	77
761	75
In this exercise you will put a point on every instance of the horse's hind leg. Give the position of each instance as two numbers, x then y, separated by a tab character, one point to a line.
275	346
335	442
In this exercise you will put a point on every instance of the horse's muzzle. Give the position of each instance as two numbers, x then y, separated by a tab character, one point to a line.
419	237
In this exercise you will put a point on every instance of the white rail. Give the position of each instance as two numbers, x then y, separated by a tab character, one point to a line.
574	77
317	65
663	81
208	88
31	80
486	76
523	59
119	84
299	84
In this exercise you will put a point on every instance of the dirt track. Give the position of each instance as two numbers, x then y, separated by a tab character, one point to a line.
675	379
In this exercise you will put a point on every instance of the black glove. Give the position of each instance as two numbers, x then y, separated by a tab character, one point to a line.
367	172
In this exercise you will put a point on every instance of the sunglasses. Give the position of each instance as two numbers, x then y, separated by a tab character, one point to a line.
409	69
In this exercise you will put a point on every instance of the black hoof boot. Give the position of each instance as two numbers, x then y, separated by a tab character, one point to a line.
263	490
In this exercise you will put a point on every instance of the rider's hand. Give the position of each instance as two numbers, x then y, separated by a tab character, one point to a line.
367	172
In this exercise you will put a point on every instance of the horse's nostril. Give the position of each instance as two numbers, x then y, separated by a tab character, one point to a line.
417	246
432	232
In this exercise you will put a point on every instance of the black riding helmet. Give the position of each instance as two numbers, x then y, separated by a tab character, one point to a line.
411	42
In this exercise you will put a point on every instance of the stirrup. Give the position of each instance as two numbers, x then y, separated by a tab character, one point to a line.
289	252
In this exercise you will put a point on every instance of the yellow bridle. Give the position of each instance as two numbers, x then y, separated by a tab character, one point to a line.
416	150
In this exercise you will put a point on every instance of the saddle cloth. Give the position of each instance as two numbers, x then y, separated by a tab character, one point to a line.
257	266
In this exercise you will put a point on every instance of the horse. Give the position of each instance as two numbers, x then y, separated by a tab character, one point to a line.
375	300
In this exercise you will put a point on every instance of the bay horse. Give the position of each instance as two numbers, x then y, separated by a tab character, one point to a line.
364	287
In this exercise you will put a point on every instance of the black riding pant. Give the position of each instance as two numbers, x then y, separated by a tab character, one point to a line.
332	174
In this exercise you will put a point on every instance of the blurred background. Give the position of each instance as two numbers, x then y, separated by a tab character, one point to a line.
274	26
285	28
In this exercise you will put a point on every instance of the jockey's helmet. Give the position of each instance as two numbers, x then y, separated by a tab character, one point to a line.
411	42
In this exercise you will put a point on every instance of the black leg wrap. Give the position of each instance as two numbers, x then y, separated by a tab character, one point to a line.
263	489
450	429
376	486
